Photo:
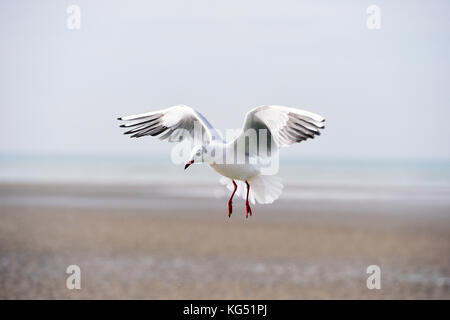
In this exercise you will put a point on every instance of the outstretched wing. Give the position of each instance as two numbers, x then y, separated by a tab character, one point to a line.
171	124
284	125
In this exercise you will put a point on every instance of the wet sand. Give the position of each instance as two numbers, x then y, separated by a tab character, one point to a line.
190	249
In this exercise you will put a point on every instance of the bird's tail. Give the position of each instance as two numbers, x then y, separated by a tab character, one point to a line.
263	188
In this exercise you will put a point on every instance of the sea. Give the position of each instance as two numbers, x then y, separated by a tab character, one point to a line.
412	182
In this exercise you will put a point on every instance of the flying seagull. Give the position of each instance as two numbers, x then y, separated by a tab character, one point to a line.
265	130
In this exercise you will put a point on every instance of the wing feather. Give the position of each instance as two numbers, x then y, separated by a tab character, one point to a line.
171	124
285	125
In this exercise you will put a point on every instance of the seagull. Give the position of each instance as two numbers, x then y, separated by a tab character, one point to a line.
244	173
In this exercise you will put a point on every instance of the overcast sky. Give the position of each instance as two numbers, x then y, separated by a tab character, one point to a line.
385	93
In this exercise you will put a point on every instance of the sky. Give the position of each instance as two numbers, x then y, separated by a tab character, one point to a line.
384	92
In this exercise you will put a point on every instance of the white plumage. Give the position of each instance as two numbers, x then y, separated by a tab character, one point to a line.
284	126
168	124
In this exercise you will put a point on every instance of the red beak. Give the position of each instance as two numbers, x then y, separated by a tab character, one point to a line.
188	164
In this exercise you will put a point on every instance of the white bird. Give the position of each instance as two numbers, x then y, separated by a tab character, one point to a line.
284	126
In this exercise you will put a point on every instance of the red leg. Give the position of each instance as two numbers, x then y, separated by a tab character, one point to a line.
247	206
230	202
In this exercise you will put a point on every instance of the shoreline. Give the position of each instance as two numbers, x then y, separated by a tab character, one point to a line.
141	196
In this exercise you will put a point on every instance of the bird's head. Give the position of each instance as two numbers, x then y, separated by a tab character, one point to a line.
198	155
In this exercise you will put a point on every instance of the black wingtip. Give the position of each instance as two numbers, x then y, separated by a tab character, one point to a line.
120	118
122	126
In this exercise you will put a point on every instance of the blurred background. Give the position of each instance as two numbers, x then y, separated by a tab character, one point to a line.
373	189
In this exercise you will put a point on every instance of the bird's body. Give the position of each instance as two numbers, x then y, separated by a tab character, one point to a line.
232	169
266	129
236	171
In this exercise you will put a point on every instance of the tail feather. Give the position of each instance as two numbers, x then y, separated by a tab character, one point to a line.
263	188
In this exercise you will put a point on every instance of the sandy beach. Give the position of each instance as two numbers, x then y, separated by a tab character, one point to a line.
189	249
